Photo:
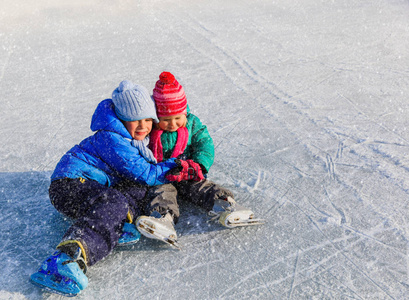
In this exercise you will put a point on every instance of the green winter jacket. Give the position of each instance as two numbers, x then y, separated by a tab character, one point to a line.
200	147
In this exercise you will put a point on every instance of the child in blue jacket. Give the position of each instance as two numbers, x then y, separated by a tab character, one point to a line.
99	184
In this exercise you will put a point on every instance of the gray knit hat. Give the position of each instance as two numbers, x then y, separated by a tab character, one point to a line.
133	102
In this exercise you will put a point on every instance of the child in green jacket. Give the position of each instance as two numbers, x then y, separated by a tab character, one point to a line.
181	134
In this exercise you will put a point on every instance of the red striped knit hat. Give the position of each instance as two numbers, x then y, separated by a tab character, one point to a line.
169	96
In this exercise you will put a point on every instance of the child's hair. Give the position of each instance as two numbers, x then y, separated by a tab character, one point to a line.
169	96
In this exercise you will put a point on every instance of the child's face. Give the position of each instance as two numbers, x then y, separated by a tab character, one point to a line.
172	123
139	129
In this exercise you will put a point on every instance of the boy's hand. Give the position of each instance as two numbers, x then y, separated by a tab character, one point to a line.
187	170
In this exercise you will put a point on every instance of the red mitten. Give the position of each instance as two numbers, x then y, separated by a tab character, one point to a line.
190	171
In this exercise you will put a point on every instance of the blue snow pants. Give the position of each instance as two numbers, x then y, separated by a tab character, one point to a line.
99	212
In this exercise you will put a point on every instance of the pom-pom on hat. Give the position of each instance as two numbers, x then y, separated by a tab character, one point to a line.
133	102
169	96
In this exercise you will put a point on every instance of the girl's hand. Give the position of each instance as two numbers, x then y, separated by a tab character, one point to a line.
187	170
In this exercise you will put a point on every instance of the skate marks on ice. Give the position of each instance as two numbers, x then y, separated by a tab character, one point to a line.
301	116
310	259
338	179
356	159
31	228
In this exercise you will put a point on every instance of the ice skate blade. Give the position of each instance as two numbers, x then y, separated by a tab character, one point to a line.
150	232
241	223
46	283
173	243
124	244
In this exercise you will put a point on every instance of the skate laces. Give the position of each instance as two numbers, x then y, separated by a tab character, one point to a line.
79	260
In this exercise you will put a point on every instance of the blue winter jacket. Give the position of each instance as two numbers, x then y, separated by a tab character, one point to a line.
108	156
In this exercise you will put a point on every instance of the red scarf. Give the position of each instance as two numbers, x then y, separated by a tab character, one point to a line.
156	145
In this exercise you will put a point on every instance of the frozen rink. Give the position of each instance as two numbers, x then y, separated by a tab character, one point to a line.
306	101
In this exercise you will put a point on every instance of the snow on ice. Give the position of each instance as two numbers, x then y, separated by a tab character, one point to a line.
307	103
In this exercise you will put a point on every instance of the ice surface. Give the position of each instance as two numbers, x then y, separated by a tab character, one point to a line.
307	103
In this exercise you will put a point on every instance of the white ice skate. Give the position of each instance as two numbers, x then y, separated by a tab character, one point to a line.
230	214
158	228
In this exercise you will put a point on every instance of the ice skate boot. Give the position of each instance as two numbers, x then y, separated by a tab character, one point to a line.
158	227
230	214
62	274
130	235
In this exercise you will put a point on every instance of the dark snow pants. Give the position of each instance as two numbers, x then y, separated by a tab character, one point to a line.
99	212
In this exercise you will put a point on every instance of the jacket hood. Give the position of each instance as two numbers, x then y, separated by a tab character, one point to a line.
105	118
